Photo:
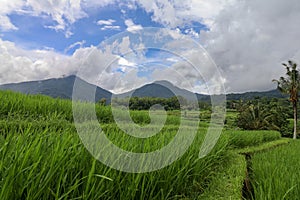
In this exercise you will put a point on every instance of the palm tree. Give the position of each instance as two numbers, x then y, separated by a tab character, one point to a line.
261	115
290	85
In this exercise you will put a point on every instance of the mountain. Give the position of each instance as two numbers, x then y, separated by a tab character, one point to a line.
63	88
251	95
246	96
59	87
161	89
165	89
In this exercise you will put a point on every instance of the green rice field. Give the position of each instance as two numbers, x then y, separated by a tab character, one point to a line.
42	157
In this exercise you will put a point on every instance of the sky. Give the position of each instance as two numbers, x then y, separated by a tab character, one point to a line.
206	46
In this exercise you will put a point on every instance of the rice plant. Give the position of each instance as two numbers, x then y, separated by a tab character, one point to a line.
276	173
42	157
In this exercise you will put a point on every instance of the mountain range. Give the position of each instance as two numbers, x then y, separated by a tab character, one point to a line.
63	88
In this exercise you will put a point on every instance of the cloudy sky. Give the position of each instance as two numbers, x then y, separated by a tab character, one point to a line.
241	43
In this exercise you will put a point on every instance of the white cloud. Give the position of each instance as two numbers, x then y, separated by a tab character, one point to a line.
179	13
127	82
6	25
63	12
193	71
250	39
131	27
247	39
108	25
22	65
110	28
8	6
122	61
106	22
97	66
80	44
66	12
97	3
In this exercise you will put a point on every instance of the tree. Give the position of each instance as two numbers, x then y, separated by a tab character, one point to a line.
261	114
290	85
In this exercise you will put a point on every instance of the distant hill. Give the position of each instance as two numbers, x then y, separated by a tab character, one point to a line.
251	95
165	89
246	96
161	89
58	87
63	88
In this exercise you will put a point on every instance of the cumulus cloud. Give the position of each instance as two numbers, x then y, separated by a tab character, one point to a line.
179	13
6	25
108	24
66	12
123	62
250	39
22	65
193	71
106	27
7	7
131	27
247	39
100	66
63	13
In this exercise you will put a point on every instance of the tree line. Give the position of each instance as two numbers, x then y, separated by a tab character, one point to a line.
172	103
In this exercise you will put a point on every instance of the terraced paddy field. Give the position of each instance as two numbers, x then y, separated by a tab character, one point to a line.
43	157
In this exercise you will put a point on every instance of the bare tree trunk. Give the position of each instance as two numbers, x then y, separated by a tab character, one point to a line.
295	120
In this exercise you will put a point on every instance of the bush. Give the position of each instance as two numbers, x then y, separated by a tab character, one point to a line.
261	115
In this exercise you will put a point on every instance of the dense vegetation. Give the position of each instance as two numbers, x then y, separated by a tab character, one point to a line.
290	84
263	114
42	156
172	103
145	103
276	173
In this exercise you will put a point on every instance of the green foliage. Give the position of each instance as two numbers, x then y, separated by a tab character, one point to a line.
228	182
172	103
230	120
19	106
42	157
53	165
262	114
276	173
291	85
145	103
242	139
263	147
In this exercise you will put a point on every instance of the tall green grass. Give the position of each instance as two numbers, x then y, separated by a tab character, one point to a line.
55	165
42	157
243	139
17	106
276	173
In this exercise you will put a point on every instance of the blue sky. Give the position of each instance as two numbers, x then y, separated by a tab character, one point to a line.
101	23
52	38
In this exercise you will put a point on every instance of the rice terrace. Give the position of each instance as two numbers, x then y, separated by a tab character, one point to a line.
42	156
149	100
